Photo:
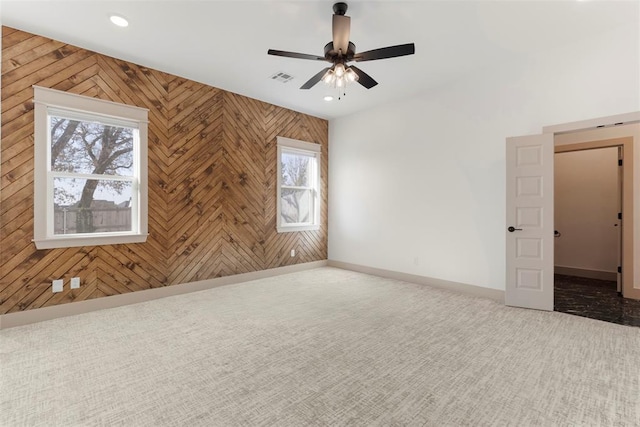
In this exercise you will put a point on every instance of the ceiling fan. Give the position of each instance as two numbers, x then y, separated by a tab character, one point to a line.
341	51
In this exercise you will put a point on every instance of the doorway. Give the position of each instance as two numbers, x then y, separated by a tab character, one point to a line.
529	228
588	213
588	234
585	142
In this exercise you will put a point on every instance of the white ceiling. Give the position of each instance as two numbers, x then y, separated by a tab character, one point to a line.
224	43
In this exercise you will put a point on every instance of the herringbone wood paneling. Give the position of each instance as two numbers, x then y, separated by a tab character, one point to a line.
212	179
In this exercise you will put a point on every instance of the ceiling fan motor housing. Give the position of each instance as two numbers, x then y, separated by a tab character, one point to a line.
332	55
340	8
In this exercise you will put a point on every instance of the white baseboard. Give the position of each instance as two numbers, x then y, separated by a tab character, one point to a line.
47	313
589	274
463	288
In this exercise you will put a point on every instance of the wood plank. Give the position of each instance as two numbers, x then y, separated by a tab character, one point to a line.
32	278
38	70
22	59
42	294
26	47
11	36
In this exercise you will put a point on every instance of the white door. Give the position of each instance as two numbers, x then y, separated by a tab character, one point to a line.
529	227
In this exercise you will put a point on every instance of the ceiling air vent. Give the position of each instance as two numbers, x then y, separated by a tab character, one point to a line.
282	77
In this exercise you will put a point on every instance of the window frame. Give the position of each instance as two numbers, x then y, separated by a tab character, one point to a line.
313	150
53	101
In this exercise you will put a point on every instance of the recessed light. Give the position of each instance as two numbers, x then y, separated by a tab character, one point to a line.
118	20
328	98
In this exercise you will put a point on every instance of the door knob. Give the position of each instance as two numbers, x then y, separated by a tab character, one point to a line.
512	229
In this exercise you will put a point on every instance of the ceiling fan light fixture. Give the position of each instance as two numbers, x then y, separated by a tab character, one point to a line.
339	76
351	75
329	77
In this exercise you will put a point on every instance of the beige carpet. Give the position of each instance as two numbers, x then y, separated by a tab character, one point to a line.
325	347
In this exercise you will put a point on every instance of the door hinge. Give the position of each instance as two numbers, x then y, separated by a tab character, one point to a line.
619	162
619	215
619	269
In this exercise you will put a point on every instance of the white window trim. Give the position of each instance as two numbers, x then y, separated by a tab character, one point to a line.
45	99
308	149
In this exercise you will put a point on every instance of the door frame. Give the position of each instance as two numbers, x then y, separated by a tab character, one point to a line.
593	126
627	199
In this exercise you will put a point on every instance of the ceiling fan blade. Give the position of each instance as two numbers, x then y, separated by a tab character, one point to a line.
295	55
341	33
386	52
315	79
363	78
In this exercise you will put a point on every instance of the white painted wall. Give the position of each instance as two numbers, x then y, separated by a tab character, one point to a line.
586	207
418	186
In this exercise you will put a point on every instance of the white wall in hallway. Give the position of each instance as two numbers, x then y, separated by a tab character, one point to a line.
418	186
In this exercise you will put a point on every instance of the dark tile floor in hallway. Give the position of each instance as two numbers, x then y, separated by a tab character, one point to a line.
596	299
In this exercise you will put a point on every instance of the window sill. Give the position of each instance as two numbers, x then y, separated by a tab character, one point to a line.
287	229
70	242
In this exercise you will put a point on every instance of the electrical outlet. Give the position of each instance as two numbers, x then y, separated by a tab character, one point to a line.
58	285
75	282
293	252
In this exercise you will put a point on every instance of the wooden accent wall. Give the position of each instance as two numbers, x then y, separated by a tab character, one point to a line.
212	179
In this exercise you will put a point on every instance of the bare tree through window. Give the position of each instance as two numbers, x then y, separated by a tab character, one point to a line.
296	190
90	148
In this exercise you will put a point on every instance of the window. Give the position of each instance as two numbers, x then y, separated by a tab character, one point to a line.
298	185
90	174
